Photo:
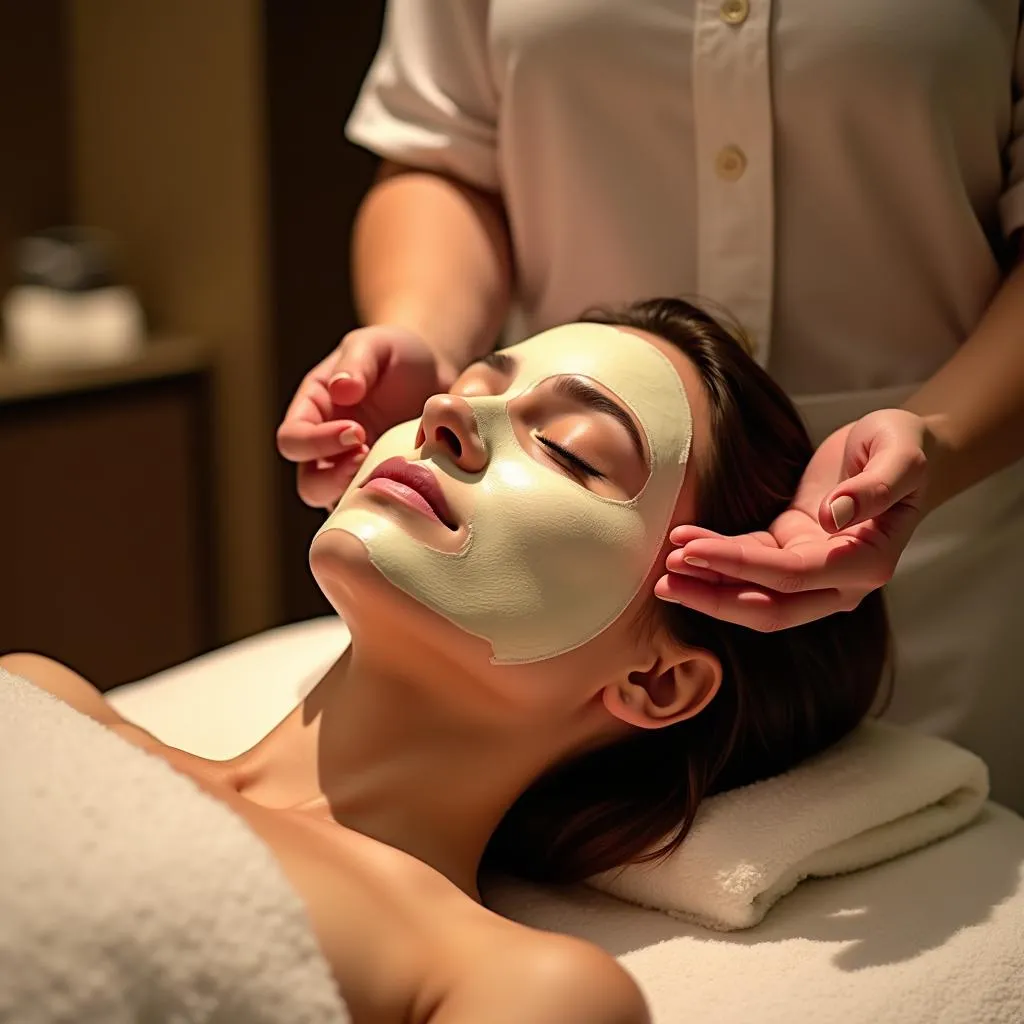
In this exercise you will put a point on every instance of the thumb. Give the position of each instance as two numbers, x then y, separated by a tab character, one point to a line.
890	476
362	356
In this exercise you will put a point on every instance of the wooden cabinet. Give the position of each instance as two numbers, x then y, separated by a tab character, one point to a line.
106	559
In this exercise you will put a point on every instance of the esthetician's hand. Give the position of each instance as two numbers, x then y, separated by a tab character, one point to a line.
378	376
859	501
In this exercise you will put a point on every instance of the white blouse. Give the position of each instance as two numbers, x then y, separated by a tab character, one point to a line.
840	175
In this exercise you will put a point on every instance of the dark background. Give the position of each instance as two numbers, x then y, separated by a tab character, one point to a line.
316	55
145	516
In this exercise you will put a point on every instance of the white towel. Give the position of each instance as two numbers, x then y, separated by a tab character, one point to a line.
129	894
881	792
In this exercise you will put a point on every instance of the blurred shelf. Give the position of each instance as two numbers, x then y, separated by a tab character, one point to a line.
159	358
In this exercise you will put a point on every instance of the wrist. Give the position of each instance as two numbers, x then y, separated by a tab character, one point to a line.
414	320
448	331
941	452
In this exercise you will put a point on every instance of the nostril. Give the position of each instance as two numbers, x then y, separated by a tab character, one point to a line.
448	436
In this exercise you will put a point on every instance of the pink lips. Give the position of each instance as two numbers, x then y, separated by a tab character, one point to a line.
415	485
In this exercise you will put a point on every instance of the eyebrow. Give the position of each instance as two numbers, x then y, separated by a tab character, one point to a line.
586	395
577	390
499	361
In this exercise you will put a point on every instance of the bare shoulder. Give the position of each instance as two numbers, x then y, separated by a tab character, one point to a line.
62	682
546	979
77	692
580	982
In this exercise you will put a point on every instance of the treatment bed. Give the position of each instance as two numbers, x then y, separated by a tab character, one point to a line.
935	935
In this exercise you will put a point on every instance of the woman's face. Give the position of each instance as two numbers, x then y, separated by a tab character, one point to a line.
530	506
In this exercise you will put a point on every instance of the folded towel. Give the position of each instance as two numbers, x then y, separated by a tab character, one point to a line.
129	894
881	792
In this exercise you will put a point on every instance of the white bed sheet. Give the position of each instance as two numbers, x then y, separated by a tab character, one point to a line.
936	936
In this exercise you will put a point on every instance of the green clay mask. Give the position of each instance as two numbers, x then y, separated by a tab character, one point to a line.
547	564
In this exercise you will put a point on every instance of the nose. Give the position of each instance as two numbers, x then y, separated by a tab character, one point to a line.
448	427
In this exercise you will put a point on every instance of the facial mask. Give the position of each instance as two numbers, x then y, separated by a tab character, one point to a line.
547	564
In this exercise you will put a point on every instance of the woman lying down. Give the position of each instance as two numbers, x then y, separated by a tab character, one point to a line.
515	696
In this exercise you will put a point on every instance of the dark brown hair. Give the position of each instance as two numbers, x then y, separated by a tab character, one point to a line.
785	695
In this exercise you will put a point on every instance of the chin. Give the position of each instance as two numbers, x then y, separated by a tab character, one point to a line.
369	603
342	569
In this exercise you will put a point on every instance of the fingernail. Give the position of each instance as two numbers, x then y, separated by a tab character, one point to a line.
348	436
697	563
341	375
842	510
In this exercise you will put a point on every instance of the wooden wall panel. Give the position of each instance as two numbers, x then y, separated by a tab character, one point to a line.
169	154
34	170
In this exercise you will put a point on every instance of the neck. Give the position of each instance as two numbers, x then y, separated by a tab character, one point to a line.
399	758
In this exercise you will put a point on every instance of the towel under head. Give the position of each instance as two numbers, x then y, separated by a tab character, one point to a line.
881	792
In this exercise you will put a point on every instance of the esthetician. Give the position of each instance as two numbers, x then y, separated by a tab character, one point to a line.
845	177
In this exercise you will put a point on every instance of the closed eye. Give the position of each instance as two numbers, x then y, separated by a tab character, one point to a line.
567	456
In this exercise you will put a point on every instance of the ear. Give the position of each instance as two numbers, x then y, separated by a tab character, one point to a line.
680	684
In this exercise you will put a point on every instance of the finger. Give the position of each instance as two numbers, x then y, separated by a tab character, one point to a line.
831	563
897	525
890	475
363	356
686	532
323	487
311	400
301	441
743	605
674	563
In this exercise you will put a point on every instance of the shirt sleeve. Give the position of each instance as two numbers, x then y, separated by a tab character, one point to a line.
428	99
1011	202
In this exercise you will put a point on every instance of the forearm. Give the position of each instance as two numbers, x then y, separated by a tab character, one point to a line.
974	405
433	255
